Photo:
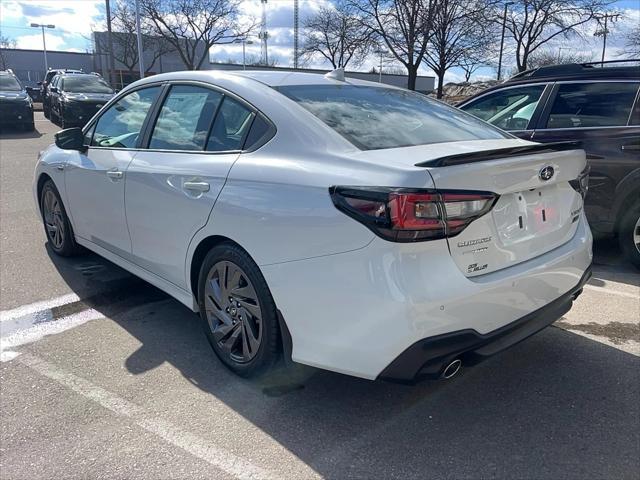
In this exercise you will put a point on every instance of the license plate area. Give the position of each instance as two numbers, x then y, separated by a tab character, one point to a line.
529	215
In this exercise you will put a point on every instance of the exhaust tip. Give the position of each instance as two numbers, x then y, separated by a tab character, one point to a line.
452	369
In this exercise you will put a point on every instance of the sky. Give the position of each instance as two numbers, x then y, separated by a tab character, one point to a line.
76	19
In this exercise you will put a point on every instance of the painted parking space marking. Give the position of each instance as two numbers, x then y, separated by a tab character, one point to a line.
217	457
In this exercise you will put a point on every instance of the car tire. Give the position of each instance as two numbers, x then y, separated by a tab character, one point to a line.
46	111
629	235
57	226
237	311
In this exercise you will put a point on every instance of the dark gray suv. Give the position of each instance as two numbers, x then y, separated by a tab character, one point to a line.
596	104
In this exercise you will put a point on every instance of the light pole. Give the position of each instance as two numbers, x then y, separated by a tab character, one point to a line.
44	43
504	24
139	35
604	31
380	52
244	42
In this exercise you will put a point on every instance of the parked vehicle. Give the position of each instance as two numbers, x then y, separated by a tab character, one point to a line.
16	107
76	97
44	87
354	226
595	104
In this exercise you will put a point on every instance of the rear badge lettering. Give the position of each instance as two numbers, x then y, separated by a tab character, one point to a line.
477	250
474	267
476	241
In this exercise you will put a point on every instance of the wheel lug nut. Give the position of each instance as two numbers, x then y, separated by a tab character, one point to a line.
240	317
238	304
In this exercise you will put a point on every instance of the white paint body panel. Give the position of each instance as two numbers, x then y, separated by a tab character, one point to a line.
351	300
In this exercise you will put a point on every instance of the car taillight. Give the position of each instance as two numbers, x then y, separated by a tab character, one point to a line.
412	215
581	184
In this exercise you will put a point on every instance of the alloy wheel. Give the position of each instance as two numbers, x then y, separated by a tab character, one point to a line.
636	235
233	311
53	219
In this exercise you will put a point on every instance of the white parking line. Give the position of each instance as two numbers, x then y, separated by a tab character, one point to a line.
32	308
187	441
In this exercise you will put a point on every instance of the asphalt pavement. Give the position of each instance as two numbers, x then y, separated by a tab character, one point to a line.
104	376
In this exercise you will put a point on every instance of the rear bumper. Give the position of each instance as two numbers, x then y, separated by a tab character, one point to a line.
358	311
428	358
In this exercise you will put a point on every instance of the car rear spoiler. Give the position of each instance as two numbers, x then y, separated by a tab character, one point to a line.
498	153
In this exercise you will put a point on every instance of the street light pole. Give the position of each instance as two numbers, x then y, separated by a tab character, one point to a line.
44	43
244	42
504	24
139	35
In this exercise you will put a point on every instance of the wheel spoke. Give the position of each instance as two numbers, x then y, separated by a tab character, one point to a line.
246	291
251	334
253	310
232	339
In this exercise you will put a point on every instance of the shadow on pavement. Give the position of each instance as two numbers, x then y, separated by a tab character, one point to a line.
17	133
555	406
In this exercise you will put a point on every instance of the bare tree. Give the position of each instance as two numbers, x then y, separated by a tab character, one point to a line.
632	45
192	27
458	31
404	27
5	42
337	35
469	64
533	23
542	58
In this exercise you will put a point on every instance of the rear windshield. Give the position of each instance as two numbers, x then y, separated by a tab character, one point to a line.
85	84
9	84
375	118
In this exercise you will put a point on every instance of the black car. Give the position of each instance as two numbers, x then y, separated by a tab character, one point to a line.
76	97
44	87
16	107
596	104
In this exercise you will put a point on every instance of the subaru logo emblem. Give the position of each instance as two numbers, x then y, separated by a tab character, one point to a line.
546	173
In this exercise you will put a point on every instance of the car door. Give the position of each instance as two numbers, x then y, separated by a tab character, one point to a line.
596	113
172	186
54	93
95	180
512	108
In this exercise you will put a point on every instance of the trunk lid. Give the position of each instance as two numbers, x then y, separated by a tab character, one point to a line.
537	209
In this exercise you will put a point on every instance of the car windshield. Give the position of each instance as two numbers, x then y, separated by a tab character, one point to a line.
9	84
377	118
85	84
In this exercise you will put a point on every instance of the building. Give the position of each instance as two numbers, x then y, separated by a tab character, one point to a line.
158	57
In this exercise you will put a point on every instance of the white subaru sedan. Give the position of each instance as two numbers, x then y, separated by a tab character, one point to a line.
337	223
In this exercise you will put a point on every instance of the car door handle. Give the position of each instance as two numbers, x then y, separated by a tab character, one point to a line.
196	186
634	147
114	174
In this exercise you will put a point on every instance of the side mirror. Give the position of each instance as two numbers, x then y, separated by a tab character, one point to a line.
70	139
39	83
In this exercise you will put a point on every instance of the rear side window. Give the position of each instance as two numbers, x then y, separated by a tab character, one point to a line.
377	118
185	118
119	126
260	132
602	104
231	126
509	109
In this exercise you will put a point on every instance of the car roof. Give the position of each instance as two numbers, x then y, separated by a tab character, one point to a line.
266	77
613	69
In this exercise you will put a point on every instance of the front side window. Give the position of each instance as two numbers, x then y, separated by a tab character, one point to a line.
85	84
9	84
230	127
509	109
185	118
601	104
376	118
120	125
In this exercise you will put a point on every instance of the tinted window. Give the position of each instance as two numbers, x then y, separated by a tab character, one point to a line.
9	84
374	118
592	105
260	128
85	84
230	127
120	125
509	109
185	118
